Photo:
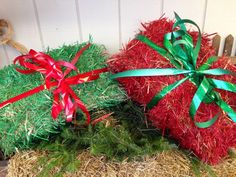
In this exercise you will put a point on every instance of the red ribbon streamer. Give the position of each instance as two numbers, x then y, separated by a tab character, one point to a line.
63	94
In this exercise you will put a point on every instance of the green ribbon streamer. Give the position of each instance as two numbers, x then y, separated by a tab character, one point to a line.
180	51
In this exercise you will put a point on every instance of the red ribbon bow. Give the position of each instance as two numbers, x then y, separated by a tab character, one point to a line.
63	94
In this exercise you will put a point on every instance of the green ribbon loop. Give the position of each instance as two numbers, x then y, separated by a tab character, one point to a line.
180	51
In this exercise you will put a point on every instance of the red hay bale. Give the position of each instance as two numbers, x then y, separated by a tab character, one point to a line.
172	112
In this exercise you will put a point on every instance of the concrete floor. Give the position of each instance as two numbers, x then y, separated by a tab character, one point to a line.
3	168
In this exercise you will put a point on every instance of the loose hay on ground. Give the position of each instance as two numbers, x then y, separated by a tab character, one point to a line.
169	164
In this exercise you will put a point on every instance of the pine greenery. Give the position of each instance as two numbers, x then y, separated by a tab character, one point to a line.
129	138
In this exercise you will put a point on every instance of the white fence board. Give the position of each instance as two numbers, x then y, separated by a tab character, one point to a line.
135	12
220	17
190	9
100	19
58	22
21	15
11	54
3	57
52	23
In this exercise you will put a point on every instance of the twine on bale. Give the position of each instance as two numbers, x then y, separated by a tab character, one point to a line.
6	34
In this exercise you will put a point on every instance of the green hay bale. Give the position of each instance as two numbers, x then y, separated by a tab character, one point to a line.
28	120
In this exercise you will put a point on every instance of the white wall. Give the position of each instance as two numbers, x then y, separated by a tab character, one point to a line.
42	23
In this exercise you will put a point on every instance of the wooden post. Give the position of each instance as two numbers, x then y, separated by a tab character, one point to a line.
216	43
228	45
233	60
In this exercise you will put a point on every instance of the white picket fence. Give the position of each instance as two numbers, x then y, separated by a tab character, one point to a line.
42	23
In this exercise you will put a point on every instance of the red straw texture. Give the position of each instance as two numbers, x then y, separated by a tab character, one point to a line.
172	112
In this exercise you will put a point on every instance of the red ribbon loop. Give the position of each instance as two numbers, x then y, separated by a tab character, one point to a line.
64	97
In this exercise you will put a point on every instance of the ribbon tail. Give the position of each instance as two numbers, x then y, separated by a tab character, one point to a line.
182	26
217	72
76	58
228	110
56	107
208	123
164	92
223	85
21	96
197	100
68	105
80	104
94	122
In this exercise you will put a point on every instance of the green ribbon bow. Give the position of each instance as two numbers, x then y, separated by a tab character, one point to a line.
180	51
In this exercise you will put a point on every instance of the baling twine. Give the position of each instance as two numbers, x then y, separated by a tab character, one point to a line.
6	34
